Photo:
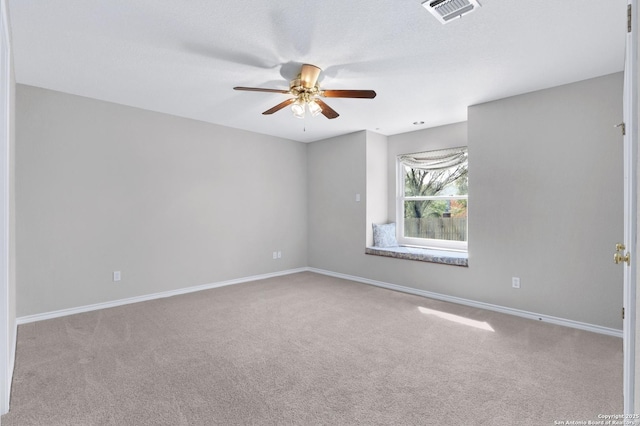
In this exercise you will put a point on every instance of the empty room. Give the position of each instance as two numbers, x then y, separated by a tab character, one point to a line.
298	213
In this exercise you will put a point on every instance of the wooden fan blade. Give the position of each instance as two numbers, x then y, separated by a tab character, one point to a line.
258	89
279	106
327	111
366	94
309	75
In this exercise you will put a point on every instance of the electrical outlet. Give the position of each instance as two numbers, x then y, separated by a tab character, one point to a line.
279	255
515	282
357	198
116	276
275	254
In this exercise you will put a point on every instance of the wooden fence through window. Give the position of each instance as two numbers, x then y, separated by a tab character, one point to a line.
440	228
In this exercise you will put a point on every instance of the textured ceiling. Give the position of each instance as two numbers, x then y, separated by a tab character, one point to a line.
184	57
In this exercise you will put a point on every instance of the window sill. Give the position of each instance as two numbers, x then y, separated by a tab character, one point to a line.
421	254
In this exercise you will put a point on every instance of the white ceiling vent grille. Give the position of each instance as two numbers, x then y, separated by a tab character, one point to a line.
446	10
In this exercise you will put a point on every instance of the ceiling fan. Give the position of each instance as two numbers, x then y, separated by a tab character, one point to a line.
306	94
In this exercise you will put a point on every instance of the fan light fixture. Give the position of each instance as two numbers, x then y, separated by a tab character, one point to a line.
314	108
298	108
305	102
306	94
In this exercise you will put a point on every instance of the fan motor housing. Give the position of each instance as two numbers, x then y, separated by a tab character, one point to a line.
296	88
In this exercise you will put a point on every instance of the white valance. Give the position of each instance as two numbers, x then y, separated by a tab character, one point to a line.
435	160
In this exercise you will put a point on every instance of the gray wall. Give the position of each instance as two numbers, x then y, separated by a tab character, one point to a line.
545	204
547	200
377	182
174	203
170	202
336	173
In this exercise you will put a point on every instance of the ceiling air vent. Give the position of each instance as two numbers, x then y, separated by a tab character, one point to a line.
446	10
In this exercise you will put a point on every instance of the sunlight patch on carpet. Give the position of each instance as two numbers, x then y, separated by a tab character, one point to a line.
483	325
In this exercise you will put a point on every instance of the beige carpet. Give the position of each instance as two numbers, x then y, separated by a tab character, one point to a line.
307	349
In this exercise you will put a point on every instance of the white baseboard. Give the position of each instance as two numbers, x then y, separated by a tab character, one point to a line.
71	311
496	308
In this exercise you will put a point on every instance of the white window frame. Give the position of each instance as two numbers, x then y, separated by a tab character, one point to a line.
429	243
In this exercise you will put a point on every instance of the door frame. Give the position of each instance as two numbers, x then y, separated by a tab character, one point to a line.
7	343
630	159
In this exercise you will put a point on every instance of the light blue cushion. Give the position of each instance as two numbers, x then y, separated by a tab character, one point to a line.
384	235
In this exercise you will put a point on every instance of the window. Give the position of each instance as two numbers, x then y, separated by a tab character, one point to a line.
432	199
